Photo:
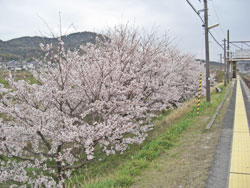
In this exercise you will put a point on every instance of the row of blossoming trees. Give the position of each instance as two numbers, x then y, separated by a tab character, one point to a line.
101	96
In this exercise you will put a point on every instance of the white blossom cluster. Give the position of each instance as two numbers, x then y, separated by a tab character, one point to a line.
102	96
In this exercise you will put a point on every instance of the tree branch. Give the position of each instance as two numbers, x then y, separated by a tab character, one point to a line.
44	140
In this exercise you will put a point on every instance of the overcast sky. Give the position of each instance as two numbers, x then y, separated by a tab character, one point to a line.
26	18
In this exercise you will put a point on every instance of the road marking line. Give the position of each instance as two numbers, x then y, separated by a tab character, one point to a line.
240	157
240	173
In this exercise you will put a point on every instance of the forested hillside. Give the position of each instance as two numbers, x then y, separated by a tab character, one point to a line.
27	48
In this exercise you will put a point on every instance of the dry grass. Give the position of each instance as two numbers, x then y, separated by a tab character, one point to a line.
187	164
181	110
177	113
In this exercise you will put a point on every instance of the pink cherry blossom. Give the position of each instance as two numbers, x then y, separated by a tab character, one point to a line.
102	95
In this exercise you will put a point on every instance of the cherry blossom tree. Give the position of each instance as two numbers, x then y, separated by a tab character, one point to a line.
100	97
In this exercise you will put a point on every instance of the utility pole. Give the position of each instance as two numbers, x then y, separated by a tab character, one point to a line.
207	51
205	25
225	64
228	62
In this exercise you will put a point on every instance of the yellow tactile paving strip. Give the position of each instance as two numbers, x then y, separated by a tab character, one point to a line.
240	157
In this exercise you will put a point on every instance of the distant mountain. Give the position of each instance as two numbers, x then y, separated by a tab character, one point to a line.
213	64
27	48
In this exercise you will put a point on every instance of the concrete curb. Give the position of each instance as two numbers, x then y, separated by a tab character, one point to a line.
209	125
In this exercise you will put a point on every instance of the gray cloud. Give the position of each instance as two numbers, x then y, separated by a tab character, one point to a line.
22	18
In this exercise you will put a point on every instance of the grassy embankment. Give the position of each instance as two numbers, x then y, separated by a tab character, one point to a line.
122	170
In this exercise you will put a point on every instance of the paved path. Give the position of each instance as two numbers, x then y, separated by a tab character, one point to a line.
240	155
231	165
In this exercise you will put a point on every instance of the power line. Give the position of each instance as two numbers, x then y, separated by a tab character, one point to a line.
222	30
235	45
246	44
216	20
198	13
241	42
215	40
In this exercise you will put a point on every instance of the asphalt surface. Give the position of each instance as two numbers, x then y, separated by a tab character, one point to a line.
219	172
